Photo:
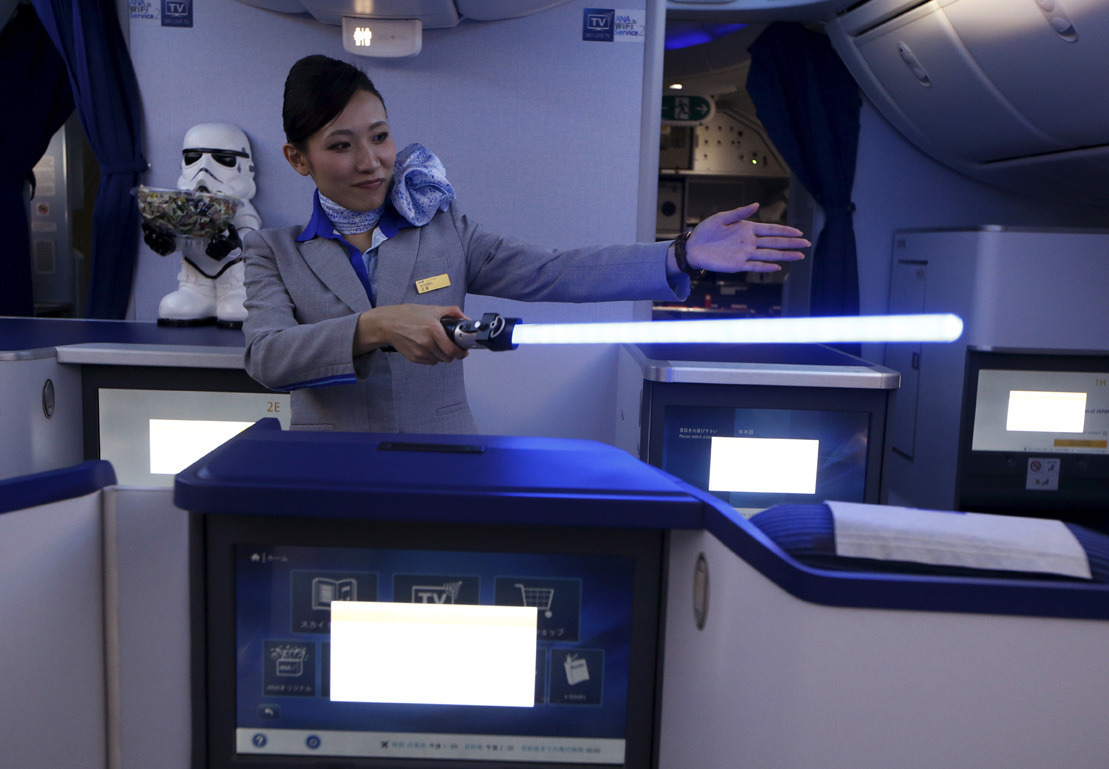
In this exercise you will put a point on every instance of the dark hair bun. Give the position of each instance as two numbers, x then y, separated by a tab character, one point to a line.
317	89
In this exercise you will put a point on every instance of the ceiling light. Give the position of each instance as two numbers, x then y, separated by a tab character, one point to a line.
385	38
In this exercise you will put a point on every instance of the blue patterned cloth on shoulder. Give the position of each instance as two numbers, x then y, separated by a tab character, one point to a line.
420	186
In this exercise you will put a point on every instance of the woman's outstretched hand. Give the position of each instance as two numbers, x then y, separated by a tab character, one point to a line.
730	242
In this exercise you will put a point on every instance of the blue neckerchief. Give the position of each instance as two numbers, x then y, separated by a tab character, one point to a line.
420	186
419	189
319	226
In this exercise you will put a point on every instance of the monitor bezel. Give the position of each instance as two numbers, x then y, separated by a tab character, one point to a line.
213	540
873	402
995	481
97	377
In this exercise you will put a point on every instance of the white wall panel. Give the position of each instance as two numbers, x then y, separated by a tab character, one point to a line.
52	636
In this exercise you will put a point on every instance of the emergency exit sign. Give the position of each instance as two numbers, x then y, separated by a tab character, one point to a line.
682	109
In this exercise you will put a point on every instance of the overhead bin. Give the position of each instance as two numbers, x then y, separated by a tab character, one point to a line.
1052	75
1002	91
922	68
761	10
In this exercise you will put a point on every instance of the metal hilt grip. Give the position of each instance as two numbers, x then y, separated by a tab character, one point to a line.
492	331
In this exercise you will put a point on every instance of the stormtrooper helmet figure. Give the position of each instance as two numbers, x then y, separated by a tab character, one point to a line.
215	157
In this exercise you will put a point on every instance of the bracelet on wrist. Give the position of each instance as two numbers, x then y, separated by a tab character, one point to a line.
682	260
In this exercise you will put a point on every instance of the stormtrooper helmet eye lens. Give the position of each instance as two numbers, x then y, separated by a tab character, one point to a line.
225	159
191	156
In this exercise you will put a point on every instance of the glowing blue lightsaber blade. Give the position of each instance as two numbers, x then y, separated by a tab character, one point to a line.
497	333
877	328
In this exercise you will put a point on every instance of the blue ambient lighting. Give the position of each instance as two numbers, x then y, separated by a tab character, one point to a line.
684	34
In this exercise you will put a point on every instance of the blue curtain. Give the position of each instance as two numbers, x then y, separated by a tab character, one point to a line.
35	83
809	104
87	34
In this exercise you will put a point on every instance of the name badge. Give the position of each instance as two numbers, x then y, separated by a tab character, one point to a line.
430	284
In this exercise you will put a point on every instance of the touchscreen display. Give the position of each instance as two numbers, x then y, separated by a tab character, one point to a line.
455	655
754	458
151	435
1046	412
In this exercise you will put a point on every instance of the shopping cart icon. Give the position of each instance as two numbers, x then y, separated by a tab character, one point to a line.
539	597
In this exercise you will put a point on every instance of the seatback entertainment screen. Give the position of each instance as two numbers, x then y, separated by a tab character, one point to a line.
383	646
1034	434
153	422
1047	412
753	458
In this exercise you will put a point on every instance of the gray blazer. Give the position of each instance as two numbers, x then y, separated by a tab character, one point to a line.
304	299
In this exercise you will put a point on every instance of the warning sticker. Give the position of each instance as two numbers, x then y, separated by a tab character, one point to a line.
1043	474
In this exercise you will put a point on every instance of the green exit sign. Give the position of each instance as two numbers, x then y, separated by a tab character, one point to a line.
679	109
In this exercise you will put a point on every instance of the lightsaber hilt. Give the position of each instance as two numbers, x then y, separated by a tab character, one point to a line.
493	331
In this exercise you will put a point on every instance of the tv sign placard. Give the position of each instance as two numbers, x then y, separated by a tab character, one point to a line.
598	24
177	13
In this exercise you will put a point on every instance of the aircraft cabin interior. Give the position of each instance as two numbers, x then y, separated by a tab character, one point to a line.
846	510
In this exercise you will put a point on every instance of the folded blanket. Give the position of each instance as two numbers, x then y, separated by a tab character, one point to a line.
807	533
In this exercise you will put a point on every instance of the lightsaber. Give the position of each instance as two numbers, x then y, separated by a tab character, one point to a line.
495	332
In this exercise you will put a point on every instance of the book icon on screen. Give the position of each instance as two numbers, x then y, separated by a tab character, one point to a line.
577	670
325	590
